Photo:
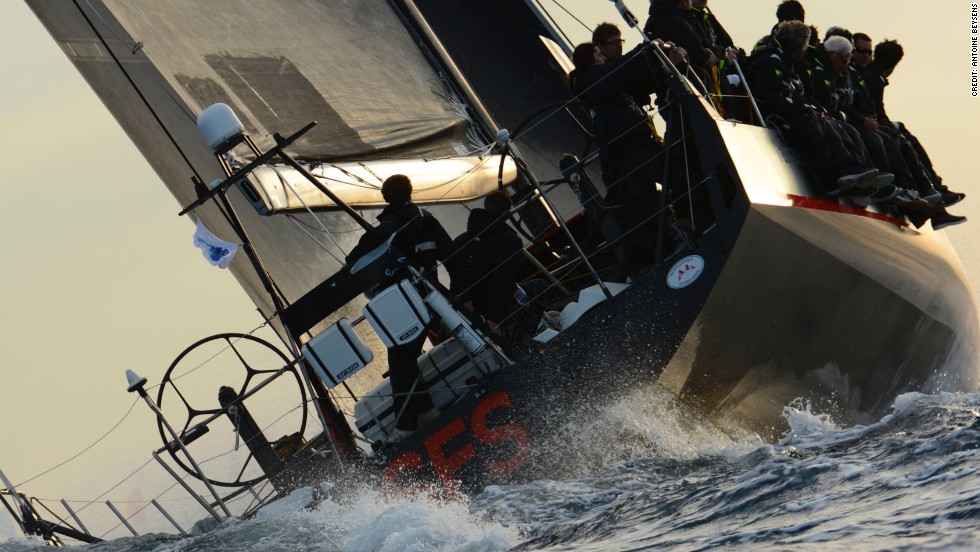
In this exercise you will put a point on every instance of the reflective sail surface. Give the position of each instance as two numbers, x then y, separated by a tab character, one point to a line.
360	68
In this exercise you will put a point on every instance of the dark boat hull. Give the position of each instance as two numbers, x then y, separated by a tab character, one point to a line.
840	307
843	311
504	430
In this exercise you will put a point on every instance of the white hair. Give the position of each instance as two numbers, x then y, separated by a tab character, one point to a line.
839	45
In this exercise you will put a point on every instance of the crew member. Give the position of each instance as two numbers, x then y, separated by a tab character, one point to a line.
421	242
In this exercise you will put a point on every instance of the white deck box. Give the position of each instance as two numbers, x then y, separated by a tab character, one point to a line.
337	353
374	413
449	373
398	314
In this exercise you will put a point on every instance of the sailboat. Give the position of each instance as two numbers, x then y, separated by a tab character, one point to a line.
468	99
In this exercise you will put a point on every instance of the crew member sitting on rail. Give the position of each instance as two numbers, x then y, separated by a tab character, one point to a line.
833	96
774	78
877	69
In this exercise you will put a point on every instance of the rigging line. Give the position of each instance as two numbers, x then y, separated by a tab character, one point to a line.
369	186
612	244
591	156
570	14
134	514
86	449
578	97
458	179
499	218
262	430
260	433
476	152
50	511
363	184
317	241
137	47
374	174
290	187
617	182
354	176
215	355
256	501
147	505
116	485
158	499
682	139
545	231
137	90
687	170
314	228
534	239
696	186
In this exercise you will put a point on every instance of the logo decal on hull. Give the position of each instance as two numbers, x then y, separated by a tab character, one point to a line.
499	448
685	271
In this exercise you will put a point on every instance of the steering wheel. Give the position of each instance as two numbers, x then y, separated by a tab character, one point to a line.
194	378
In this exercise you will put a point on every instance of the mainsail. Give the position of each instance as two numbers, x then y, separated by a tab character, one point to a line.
372	73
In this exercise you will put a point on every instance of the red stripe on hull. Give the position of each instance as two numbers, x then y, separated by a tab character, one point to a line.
823	205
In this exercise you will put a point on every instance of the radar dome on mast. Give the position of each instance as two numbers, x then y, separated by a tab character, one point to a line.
220	126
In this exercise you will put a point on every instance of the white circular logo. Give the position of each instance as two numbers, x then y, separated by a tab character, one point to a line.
685	271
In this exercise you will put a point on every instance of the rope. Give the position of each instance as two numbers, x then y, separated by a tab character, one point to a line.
136	89
126	415
572	15
617	240
137	470
86	449
545	231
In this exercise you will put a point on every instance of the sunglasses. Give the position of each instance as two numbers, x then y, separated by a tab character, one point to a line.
614	41
862	51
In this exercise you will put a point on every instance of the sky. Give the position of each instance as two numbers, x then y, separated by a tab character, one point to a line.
99	274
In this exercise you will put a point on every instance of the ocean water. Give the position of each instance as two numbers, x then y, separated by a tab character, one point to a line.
907	482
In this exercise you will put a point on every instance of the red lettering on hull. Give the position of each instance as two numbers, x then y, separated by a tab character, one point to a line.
496	435
398	465
445	467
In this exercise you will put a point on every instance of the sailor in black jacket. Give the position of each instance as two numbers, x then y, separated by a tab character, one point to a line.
671	21
485	261
420	241
632	160
775	78
831	93
876	71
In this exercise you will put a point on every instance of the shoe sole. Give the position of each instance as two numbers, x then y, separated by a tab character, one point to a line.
916	206
947	224
872	199
954	201
851	193
883	179
852	180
